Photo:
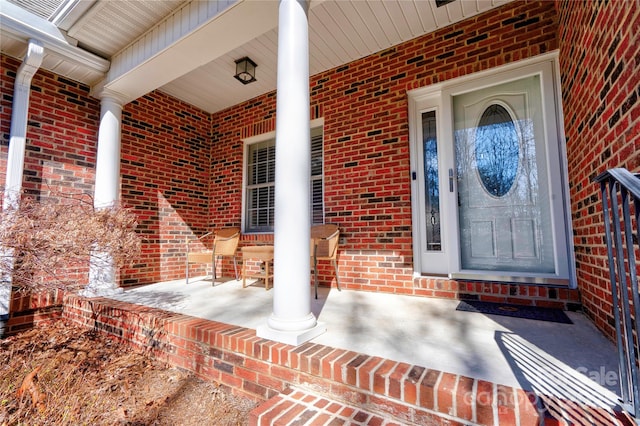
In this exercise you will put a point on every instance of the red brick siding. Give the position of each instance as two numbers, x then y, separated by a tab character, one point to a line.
229	127
61	138
600	70
8	68
366	139
165	170
61	133
59	159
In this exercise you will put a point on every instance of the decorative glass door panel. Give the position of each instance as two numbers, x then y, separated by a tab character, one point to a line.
504	207
432	248
431	184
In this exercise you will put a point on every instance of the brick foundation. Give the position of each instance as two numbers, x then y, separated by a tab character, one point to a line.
29	309
262	369
517	294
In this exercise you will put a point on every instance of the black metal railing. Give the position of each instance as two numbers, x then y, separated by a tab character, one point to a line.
620	190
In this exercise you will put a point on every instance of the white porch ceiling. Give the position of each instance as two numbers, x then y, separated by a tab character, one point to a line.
340	31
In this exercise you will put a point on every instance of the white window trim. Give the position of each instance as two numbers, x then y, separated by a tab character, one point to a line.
317	123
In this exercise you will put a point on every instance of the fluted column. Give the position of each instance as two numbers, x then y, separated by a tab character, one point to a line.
102	273
292	321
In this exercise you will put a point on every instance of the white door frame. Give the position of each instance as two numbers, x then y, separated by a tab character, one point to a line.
438	98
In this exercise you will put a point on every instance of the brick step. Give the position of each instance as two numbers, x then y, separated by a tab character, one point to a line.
298	407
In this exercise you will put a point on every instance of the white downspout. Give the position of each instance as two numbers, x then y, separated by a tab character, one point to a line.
15	159
19	118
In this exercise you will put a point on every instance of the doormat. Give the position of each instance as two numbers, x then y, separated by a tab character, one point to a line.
517	311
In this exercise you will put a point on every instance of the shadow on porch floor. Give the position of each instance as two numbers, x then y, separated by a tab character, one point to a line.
569	361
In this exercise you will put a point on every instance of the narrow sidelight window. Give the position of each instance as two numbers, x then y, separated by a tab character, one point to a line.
431	187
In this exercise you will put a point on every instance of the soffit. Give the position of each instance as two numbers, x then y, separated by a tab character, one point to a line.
42	8
103	27
340	31
61	55
109	26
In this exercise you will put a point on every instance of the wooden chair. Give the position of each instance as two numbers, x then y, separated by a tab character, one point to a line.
324	246
225	243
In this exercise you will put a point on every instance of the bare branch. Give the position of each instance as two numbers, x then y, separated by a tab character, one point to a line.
48	243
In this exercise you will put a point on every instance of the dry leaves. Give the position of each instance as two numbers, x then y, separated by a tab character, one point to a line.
90	379
29	386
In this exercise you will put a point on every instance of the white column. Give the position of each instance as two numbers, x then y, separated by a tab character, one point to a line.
15	158
102	273
107	186
292	321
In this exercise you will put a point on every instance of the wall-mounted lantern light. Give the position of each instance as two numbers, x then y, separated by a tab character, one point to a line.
245	70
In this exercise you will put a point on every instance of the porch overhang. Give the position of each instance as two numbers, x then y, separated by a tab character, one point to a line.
18	27
160	57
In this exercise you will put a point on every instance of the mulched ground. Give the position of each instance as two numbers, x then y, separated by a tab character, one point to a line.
59	374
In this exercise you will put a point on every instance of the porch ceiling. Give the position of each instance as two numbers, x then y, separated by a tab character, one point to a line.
148	47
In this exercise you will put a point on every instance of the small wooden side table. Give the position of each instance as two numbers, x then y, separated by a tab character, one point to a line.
263	253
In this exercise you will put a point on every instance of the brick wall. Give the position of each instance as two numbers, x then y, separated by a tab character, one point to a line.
61	139
600	70
8	68
29	308
59	160
366	145
165	169
61	133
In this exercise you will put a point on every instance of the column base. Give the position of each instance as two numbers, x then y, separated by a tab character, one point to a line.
5	296
294	338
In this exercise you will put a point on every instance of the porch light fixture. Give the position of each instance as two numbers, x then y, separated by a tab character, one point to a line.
245	70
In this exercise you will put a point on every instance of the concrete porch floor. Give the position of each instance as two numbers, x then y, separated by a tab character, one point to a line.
570	361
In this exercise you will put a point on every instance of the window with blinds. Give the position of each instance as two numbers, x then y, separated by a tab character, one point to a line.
260	190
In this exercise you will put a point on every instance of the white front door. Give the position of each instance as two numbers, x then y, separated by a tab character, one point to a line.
497	208
504	213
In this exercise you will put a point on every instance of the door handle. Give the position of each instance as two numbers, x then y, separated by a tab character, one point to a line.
450	180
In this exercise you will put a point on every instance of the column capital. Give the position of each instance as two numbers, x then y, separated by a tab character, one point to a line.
108	95
303	3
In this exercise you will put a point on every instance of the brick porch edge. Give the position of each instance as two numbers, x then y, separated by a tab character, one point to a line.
261	369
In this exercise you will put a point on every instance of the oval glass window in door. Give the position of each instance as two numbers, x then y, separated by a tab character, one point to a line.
497	150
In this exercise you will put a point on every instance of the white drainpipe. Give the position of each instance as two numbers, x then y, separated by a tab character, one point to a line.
15	159
19	118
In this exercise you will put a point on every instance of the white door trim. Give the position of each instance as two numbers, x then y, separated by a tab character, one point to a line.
438	97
